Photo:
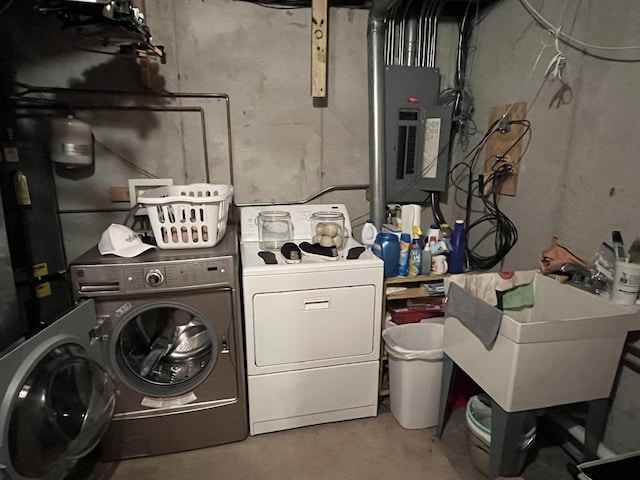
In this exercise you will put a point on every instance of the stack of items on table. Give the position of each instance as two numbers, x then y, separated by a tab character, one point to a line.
414	310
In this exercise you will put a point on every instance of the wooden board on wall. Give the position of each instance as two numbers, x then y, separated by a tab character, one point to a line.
319	31
503	150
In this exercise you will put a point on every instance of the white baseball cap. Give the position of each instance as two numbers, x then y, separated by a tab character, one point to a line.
121	241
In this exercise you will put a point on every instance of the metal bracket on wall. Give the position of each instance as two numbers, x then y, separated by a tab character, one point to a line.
504	149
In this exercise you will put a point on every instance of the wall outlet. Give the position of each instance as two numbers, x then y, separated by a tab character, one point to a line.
503	149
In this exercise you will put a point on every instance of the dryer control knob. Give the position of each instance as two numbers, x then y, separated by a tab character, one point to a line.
154	278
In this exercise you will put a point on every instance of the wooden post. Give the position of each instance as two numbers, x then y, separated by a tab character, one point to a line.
319	24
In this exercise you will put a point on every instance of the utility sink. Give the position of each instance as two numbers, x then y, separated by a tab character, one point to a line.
564	349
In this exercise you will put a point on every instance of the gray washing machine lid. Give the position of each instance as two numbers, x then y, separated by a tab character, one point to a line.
59	402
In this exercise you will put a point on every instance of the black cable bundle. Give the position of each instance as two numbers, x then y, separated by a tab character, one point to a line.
504	230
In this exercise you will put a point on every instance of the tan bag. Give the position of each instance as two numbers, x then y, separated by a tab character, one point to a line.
556	255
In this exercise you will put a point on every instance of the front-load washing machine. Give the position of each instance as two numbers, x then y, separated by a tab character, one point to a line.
169	325
56	398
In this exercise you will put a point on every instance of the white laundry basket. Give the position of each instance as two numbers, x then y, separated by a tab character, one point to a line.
415	371
188	216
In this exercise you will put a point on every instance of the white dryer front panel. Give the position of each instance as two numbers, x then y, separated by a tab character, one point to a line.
311	320
307	325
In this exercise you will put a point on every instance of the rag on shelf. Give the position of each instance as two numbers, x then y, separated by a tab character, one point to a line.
486	285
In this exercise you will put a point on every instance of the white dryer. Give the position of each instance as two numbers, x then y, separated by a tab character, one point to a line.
312	329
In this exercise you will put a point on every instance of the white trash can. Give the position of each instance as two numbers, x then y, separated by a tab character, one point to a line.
415	371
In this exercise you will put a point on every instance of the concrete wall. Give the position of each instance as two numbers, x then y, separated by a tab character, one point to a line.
282	147
578	178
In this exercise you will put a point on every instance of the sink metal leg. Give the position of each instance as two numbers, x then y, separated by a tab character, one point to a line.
595	425
506	441
445	389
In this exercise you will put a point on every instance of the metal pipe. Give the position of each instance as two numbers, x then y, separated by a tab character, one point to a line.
375	51
411	33
332	188
28	89
143	109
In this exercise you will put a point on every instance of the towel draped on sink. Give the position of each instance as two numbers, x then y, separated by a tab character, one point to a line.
472	299
486	285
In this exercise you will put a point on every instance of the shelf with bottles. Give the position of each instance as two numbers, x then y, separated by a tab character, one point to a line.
414	286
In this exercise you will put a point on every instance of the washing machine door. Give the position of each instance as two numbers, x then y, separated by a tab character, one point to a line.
56	398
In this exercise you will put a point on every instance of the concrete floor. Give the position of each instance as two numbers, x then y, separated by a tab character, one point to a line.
370	448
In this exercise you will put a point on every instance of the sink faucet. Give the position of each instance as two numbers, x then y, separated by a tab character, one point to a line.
584	277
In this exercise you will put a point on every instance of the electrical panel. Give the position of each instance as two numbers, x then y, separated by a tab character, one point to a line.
417	134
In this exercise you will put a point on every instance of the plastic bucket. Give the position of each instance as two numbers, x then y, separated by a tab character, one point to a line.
415	371
478	416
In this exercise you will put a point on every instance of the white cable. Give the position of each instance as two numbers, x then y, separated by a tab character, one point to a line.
6	7
556	65
568	38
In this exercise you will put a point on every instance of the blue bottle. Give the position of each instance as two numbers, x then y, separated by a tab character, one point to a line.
458	256
387	247
405	245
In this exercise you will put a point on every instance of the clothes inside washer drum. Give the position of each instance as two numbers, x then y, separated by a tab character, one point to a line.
191	343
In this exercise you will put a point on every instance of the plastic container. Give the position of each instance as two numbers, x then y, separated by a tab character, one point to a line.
458	256
478	415
626	282
445	232
387	247
403	315
415	257
369	233
415	369
433	235
188	216
327	229
403	263
426	260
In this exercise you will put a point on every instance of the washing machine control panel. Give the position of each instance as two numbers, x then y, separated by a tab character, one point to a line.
110	280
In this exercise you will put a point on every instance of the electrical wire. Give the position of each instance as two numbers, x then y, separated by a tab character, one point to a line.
124	160
574	42
293	4
6	6
501	227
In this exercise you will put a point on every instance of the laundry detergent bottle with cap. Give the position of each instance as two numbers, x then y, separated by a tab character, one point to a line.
415	252
458	256
387	247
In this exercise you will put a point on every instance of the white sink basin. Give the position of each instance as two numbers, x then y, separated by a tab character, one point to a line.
564	349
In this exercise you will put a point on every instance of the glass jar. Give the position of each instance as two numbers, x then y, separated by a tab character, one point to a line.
274	229
327	229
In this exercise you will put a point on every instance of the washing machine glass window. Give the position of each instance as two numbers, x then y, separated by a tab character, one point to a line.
60	413
166	350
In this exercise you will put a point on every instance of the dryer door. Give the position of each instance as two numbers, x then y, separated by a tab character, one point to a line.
59	402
